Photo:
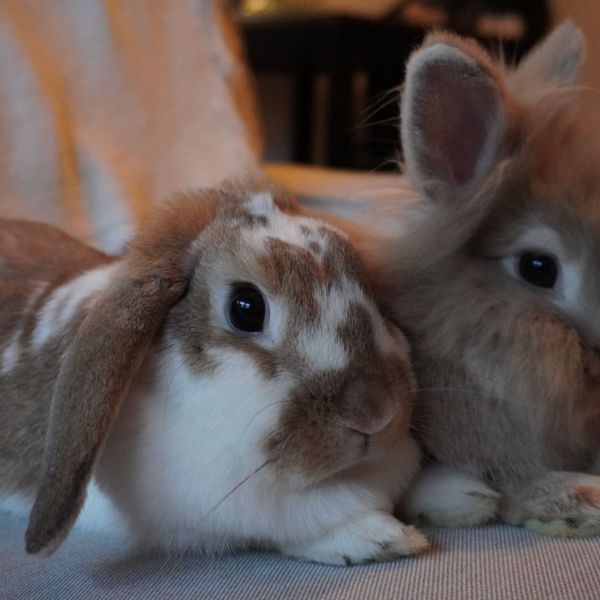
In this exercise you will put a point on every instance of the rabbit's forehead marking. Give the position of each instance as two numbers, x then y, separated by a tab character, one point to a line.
296	229
62	304
308	234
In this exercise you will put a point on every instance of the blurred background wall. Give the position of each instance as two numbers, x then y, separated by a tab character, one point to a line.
324	75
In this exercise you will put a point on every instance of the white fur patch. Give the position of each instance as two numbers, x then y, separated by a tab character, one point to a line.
10	355
321	349
445	496
321	352
99	514
14	348
297	231
188	439
261	204
64	302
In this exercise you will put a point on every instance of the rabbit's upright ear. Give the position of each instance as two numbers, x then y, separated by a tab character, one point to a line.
101	361
454	115
556	60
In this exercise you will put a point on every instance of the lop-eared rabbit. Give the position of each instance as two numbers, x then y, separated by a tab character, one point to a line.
228	382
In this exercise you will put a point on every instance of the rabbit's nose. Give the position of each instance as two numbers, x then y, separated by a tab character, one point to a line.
369	405
372	425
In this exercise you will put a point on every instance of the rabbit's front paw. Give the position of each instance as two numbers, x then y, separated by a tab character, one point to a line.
560	504
444	496
565	527
370	537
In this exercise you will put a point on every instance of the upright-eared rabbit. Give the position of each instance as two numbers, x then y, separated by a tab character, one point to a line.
496	280
228	382
486	254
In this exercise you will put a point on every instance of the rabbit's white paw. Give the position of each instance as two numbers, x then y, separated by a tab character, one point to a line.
560	504
369	537
444	496
566	527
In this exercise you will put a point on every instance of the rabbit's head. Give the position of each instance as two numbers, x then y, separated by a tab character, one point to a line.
502	250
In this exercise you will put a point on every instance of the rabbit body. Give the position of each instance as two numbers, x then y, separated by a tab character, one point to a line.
208	429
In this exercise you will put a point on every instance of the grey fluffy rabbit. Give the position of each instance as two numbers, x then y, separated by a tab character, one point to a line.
496	277
502	257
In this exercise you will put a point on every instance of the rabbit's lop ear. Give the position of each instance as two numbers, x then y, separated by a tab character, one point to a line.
453	115
556	60
98	367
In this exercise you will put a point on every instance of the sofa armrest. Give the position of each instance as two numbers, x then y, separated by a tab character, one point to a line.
357	196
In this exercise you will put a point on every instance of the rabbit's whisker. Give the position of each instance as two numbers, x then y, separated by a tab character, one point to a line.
386	99
233	490
257	413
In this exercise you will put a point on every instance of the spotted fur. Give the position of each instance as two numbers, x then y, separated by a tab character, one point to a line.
129	371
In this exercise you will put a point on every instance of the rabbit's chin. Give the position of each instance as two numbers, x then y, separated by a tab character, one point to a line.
263	514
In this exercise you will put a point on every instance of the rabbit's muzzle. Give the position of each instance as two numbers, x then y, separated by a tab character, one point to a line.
338	420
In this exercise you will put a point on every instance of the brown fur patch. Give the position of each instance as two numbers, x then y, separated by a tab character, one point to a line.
296	275
588	495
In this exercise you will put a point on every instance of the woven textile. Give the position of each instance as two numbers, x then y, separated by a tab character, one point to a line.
490	563
109	107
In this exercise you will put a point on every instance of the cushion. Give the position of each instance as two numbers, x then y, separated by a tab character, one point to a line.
492	562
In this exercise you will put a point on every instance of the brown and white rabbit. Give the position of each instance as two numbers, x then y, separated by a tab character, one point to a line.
501	250
496	226
228	382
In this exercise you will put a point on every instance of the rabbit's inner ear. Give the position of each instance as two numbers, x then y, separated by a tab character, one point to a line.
556	60
452	119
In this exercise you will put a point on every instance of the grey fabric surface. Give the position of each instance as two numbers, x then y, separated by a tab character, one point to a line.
489	563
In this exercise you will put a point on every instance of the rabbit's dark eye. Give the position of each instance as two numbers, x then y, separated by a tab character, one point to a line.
247	308
538	269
